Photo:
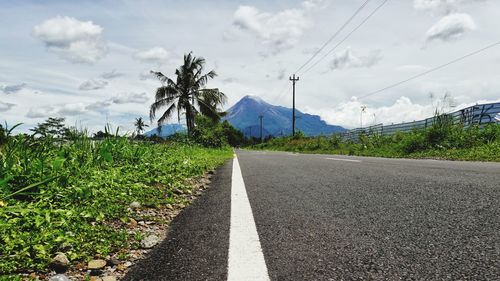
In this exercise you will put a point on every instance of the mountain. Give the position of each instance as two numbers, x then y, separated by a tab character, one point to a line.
166	130
277	120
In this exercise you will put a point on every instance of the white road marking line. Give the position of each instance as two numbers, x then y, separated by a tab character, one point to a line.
246	260
342	159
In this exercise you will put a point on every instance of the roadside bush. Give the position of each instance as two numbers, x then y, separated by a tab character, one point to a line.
335	141
208	133
412	142
443	140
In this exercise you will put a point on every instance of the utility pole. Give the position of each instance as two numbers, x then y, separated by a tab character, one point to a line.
261	137
293	79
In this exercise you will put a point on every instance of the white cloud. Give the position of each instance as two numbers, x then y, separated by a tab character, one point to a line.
348	59
348	114
313	4
93	84
11	89
5	106
154	55
427	5
41	111
98	105
111	74
71	109
430	4
451	27
139	98
279	31
130	98
73	40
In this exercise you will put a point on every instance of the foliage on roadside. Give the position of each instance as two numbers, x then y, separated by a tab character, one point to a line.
443	141
61	196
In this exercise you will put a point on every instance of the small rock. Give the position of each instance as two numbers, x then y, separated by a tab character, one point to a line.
169	206
150	241
108	278
113	261
135	205
60	263
96	264
96	272
95	278
59	277
132	223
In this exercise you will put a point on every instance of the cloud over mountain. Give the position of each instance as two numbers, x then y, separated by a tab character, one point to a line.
73	40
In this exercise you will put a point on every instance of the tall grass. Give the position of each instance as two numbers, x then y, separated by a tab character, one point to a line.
442	140
61	194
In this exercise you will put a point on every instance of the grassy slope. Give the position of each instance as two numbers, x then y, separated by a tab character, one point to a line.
96	182
448	142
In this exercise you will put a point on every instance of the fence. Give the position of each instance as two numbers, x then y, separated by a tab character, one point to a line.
474	115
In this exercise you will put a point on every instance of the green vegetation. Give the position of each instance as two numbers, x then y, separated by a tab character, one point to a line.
61	191
441	141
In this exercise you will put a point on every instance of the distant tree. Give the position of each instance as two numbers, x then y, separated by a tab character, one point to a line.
187	94
102	135
234	136
140	125
53	126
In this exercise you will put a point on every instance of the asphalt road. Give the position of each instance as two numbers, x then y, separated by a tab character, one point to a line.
325	217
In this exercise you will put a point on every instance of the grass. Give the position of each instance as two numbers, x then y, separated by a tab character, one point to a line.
62	195
442	141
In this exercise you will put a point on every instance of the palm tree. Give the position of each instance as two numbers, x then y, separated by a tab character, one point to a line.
140	125
187	94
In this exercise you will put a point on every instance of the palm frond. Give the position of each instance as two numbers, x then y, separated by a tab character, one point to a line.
166	92
157	105
167	114
202	81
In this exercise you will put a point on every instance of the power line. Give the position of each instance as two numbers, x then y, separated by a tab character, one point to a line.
346	37
432	70
333	36
280	94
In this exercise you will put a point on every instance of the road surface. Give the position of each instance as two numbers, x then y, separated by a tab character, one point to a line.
326	217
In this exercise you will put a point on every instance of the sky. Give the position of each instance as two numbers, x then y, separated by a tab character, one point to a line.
89	61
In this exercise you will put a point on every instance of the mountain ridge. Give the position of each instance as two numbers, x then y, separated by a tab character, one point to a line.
277	120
